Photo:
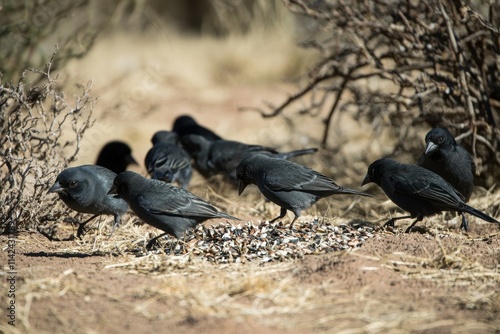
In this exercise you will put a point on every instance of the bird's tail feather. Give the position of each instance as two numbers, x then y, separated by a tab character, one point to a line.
354	192
296	153
479	214
225	215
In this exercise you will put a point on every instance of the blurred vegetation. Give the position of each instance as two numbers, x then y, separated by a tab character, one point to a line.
30	29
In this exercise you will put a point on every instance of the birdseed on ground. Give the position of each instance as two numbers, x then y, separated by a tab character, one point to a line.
267	242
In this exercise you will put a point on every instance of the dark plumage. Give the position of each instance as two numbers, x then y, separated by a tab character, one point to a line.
417	190
159	204
186	125
164	136
291	186
224	156
116	156
451	161
167	160
445	157
84	189
198	147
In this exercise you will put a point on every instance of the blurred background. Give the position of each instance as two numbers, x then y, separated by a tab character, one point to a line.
226	62
151	61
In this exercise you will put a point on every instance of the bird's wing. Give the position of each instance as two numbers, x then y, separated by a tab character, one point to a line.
104	176
428	188
175	162
297	177
170	156
466	156
226	152
228	162
176	204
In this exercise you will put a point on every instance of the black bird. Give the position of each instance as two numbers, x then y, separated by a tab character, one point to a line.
198	147
418	190
291	186
116	156
162	205
186	125
164	136
84	189
224	156
167	160
445	157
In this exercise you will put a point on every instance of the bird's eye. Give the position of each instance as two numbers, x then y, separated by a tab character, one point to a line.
72	184
440	140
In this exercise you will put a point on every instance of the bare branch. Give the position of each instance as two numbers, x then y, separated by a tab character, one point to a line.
32	153
436	62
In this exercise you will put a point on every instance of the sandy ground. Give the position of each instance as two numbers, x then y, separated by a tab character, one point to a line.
394	283
436	280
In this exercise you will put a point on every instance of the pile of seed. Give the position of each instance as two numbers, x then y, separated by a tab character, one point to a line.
266	242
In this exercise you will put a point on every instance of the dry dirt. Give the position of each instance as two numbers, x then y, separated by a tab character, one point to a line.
394	283
437	281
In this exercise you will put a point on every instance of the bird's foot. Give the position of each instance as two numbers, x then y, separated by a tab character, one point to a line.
113	229
154	242
50	234
81	231
390	223
409	229
465	224
293	221
151	243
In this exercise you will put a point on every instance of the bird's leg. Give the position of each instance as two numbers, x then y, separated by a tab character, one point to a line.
465	223
282	214
81	229
293	221
118	222
408	230
153	241
391	221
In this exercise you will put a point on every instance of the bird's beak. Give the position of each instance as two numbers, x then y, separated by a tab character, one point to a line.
366	180
130	159
113	190
431	147
241	186
56	188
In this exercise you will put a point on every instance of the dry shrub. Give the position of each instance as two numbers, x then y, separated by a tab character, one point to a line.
40	133
29	29
401	65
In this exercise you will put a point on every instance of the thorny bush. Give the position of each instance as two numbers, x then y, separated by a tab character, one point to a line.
40	134
403	65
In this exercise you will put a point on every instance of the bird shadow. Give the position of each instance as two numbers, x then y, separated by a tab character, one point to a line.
62	254
378	227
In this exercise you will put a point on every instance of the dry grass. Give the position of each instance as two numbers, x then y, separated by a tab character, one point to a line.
299	294
280	295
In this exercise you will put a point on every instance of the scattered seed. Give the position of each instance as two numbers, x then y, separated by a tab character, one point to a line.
268	242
